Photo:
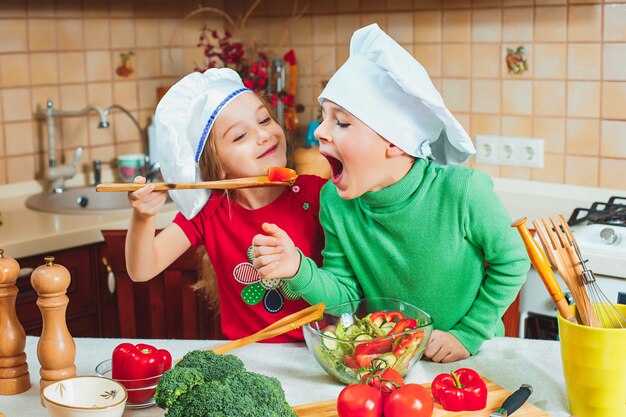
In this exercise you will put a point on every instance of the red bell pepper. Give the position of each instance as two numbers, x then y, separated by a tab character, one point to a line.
412	342
381	317
366	351
461	390
403	325
139	366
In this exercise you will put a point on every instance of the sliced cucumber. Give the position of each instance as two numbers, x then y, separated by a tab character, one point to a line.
330	342
386	328
363	336
386	360
352	332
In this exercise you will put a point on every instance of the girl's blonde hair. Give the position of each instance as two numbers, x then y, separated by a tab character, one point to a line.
211	169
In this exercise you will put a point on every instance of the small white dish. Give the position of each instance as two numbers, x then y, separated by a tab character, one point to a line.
85	396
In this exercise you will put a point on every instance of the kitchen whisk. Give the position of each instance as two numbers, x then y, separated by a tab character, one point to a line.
606	314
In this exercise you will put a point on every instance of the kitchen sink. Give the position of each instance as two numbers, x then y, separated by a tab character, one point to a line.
79	200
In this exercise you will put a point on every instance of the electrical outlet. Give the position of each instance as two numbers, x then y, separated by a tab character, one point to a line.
531	152
512	151
508	151
487	149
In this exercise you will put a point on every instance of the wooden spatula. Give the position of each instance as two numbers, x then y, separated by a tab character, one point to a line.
276	176
290	322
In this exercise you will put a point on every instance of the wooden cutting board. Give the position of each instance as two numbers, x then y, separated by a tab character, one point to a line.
495	398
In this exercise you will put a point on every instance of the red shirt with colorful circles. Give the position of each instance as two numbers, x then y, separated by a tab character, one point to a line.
226	229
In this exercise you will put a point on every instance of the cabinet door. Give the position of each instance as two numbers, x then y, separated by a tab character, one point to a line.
165	307
82	309
511	318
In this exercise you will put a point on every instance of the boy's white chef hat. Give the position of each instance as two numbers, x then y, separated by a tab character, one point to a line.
184	117
388	90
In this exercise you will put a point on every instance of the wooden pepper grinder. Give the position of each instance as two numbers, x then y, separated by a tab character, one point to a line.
14	376
56	349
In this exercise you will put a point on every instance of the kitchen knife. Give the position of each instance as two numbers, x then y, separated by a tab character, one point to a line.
513	402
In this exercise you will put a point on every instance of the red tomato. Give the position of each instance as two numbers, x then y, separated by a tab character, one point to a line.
409	400
281	174
359	400
384	380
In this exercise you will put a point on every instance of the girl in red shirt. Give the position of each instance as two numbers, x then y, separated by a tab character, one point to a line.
210	127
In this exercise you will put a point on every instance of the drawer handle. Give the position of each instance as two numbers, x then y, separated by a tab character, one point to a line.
25	272
110	276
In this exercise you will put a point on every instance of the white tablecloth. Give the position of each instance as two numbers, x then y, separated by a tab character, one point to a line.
509	362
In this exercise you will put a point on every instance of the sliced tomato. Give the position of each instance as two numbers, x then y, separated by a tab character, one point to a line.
351	362
281	174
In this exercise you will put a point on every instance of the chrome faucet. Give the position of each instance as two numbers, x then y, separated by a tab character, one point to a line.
57	174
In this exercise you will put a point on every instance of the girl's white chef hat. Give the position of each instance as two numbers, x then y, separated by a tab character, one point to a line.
184	117
388	90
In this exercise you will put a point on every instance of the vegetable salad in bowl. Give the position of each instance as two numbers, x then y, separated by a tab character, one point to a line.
353	337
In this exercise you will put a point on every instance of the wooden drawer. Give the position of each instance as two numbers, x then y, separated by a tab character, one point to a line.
82	310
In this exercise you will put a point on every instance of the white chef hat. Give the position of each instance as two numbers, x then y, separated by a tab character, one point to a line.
184	117
387	89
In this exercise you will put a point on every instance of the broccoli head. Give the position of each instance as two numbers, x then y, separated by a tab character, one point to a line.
204	384
211	365
245	394
174	383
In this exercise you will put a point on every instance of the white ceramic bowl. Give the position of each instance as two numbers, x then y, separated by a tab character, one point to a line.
85	396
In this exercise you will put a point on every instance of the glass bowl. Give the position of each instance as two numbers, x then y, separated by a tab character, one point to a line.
140	391
349	339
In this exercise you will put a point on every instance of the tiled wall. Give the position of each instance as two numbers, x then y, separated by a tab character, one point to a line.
573	96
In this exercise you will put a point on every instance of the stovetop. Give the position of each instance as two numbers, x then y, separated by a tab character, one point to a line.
612	212
601	234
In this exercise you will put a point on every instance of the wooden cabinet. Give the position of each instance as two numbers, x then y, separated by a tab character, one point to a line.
165	307
511	318
82	314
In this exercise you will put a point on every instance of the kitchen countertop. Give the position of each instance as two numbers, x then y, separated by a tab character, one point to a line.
509	362
25	232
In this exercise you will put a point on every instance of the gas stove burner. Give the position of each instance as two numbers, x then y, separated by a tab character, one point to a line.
610	213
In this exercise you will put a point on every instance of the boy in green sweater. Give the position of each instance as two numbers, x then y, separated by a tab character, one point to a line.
397	224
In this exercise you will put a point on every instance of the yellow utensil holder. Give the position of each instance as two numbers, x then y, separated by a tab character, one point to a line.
594	367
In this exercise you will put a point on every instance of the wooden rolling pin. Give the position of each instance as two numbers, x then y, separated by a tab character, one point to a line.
276	176
540	261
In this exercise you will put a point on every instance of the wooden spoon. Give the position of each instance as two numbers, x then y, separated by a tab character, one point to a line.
290	322
276	176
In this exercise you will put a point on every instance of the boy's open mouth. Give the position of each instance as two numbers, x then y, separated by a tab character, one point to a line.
336	166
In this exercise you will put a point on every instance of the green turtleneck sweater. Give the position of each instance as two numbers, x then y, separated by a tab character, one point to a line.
424	240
